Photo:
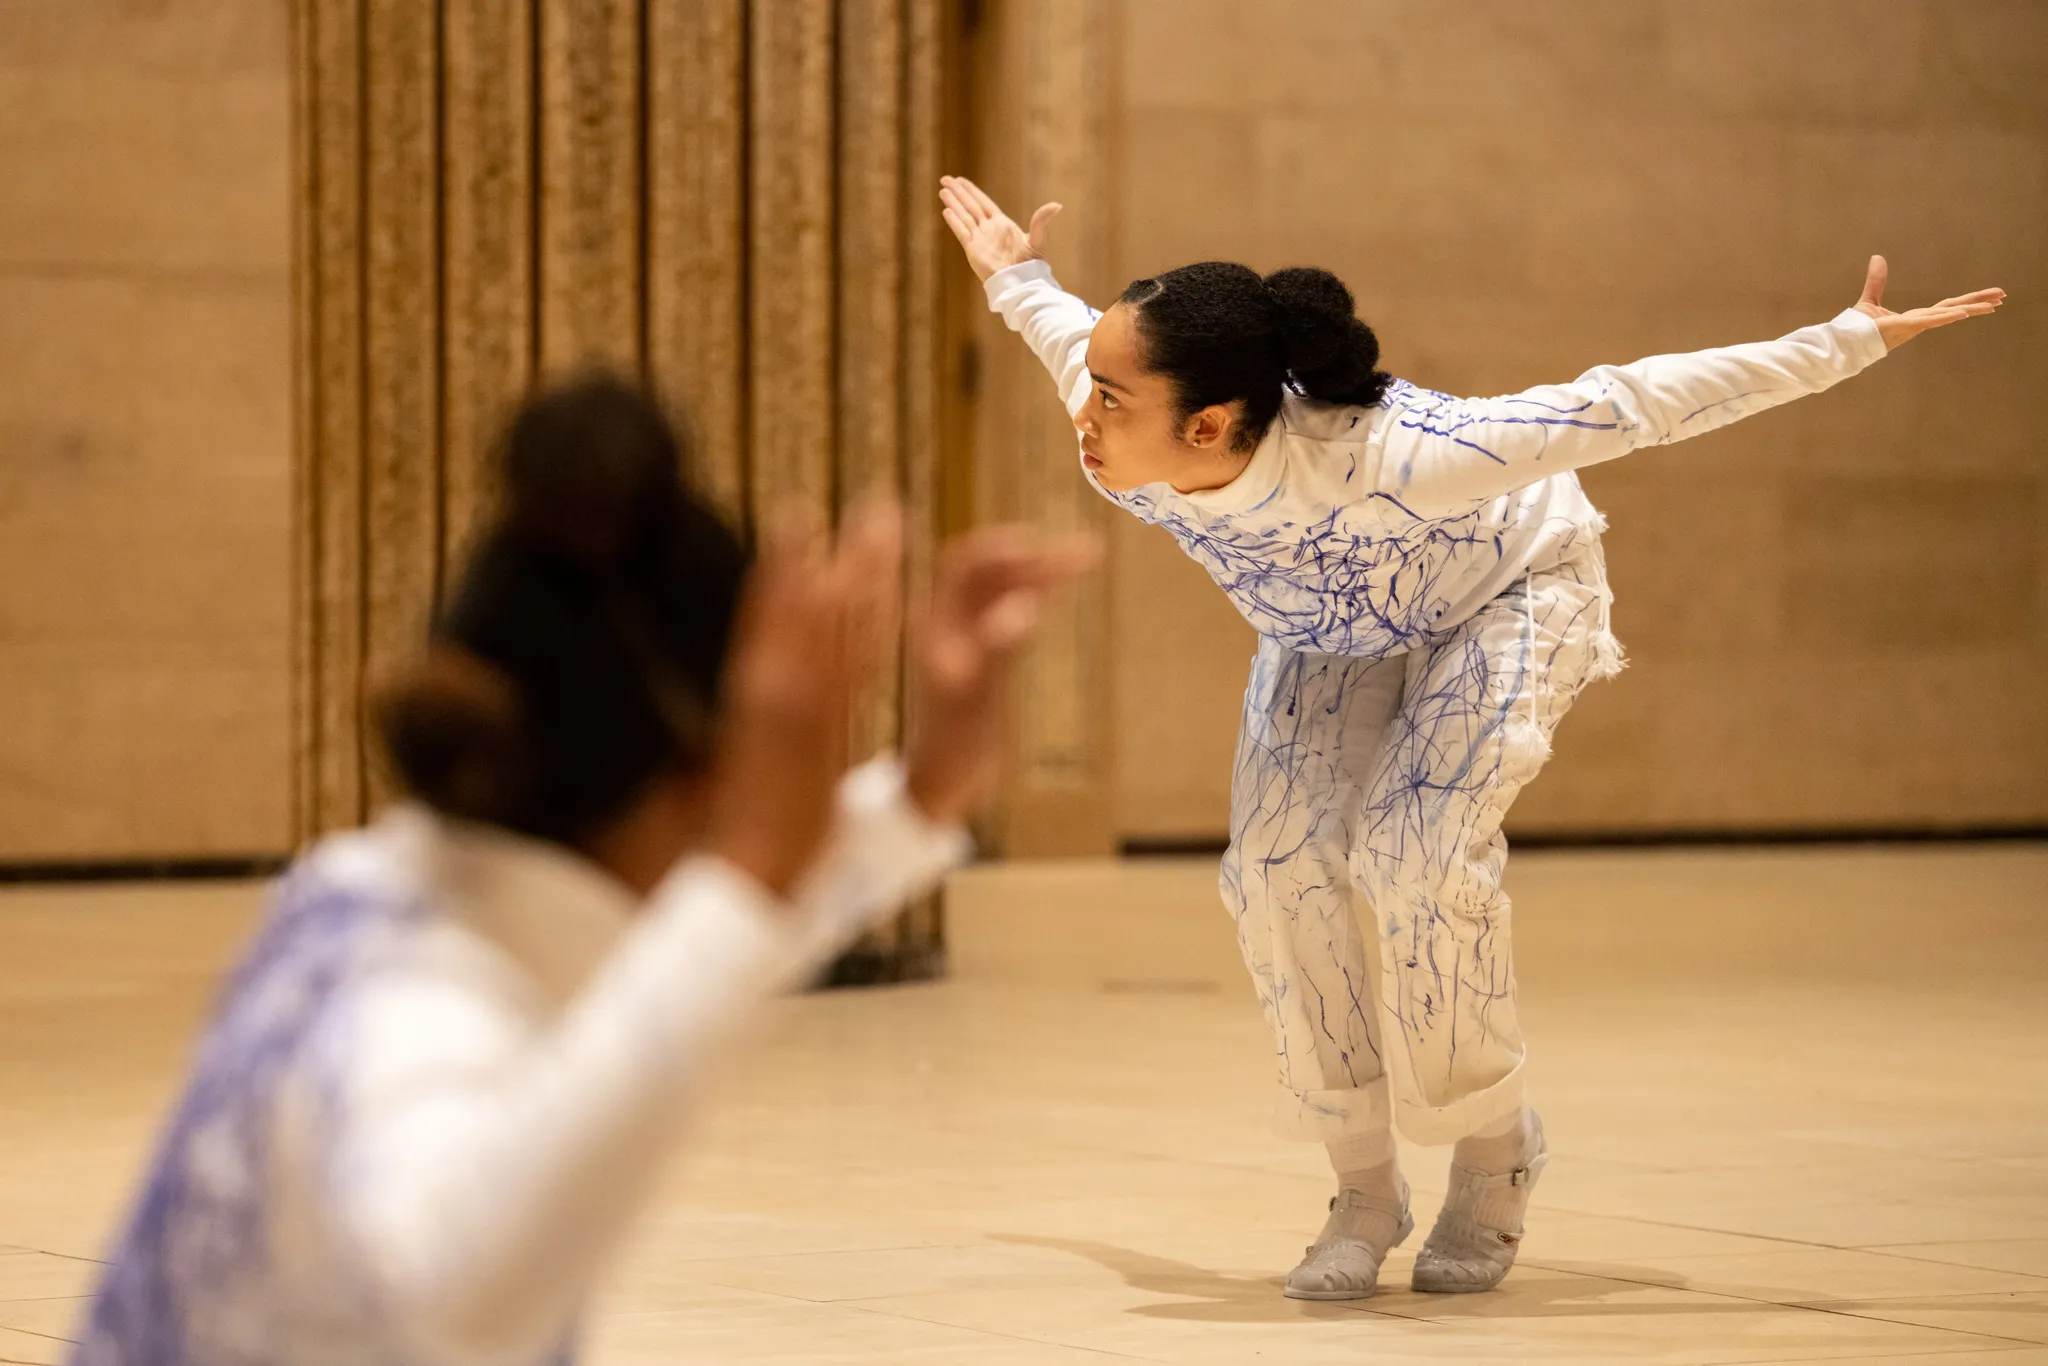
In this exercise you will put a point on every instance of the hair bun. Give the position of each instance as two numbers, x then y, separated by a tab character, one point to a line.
591	469
453	731
1331	354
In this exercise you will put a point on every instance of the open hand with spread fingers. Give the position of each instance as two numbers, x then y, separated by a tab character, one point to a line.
964	643
990	237
1899	328
811	633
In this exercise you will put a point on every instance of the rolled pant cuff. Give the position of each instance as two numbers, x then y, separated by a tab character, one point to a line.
1437	1124
1320	1116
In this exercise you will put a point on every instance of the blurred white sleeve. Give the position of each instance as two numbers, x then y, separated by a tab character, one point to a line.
481	1170
882	852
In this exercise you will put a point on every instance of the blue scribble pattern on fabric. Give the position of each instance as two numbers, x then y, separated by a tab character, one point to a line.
1391	777
1373	577
194	1281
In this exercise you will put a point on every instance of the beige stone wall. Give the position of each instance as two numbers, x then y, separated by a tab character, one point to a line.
1835	611
144	427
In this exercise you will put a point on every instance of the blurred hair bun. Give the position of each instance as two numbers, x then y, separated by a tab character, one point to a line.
453	731
592	470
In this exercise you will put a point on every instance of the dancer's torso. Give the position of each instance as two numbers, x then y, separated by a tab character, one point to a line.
1317	558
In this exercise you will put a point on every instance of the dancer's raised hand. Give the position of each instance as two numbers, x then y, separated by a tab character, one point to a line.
990	587
1899	328
990	237
810	621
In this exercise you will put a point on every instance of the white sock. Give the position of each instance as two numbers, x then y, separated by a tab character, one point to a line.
1365	1162
1497	1150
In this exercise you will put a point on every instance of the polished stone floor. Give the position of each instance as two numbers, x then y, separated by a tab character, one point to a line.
1797	1100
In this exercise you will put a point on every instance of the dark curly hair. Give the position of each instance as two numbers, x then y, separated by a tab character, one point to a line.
580	651
1222	334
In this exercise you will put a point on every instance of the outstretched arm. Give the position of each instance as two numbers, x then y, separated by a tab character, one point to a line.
482	1166
1441	454
1011	263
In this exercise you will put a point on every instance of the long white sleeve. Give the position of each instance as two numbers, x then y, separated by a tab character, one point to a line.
1054	324
1440	455
482	1167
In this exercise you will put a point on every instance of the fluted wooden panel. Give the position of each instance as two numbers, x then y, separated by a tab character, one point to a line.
923	290
920	935
487	239
1064	738
731	196
327	743
401	403
1043	123
871	288
789	254
696	229
590	245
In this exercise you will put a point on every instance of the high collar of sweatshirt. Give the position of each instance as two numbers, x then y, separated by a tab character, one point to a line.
555	913
1257	482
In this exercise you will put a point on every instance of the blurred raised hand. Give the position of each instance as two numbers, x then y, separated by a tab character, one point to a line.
812	620
989	591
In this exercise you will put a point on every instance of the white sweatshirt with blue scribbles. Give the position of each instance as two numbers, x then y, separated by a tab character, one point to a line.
1366	531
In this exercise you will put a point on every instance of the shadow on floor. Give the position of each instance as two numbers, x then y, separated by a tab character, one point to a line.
1219	1298
1534	1292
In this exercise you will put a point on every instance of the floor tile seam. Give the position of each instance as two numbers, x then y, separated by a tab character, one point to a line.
857	1305
1866	1251
1886	1356
815	1252
1880	1250
1840	1312
1947	1242
1349	1307
1735	1295
871	1308
1822	1301
1700	1228
47	1337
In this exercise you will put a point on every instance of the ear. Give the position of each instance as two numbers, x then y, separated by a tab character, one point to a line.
1212	427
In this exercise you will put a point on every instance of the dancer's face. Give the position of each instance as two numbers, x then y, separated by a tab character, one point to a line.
1129	434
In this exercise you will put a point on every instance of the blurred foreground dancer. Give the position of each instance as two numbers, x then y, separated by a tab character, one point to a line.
1426	578
441	1081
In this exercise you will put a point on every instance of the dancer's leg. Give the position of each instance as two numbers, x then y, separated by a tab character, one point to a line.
1312	724
1476	717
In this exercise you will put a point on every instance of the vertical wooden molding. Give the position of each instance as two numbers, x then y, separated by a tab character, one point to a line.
923	291
921	933
330	507
305	696
741	210
789	254
590	184
402	408
697	214
487	248
1046	125
871	298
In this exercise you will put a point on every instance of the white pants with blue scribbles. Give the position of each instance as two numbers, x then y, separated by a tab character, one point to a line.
1368	795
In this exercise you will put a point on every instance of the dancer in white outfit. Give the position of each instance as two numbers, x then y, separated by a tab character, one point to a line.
1425	576
439	1085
